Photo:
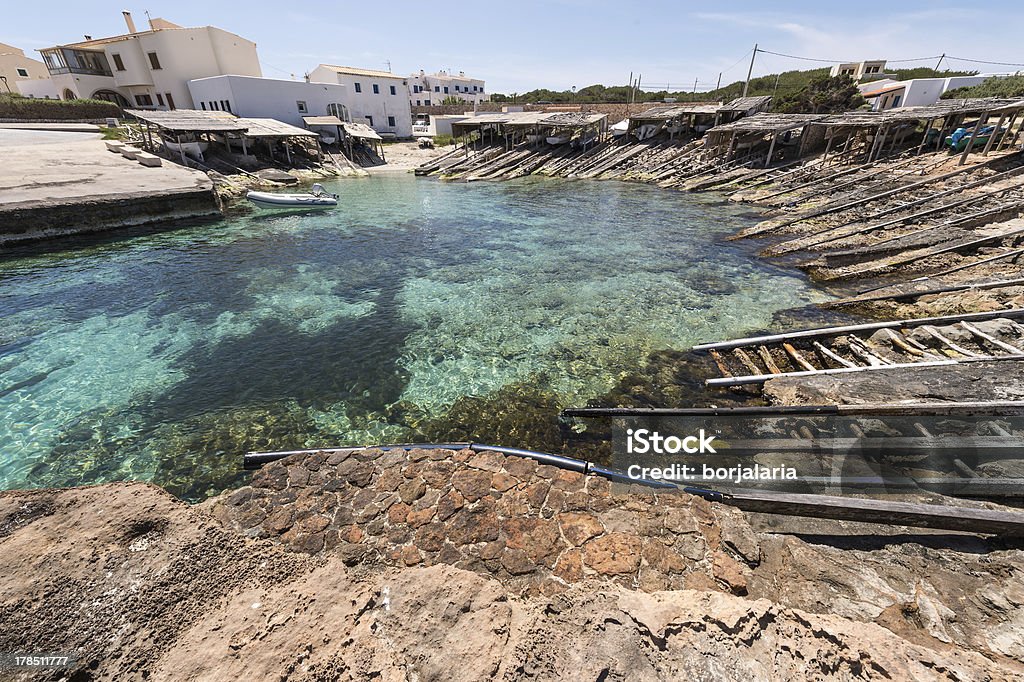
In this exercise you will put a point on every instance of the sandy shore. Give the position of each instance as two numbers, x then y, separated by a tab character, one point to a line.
406	156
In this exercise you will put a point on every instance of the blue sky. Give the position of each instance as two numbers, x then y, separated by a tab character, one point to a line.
561	43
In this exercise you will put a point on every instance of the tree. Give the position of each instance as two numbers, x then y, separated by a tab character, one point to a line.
822	95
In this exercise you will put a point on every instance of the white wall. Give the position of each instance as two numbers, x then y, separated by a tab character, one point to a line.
366	103
267	97
40	88
434	85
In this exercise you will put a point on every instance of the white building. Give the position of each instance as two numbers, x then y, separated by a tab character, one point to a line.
283	100
858	71
916	92
149	69
427	89
377	98
18	71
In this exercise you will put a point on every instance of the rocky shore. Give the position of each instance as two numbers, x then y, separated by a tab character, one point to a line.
437	565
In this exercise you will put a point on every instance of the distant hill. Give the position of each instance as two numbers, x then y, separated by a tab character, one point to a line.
790	83
1012	86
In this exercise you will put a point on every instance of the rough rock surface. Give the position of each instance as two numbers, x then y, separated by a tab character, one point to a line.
140	586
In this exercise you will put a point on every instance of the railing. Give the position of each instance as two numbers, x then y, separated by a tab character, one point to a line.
75	69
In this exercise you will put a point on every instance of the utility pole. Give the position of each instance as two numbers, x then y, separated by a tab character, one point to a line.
695	86
746	84
940	61
776	88
719	86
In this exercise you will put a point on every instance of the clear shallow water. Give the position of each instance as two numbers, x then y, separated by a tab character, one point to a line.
166	356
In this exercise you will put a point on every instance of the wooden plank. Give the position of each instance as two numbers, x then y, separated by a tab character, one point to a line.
769	362
833	356
845	329
991	339
989	408
902	295
890	512
797	358
746	361
720	361
937	335
859	347
761	378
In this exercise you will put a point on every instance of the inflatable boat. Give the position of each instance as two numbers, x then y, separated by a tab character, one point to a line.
317	198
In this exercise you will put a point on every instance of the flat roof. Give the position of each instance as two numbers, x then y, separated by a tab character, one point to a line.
322	121
351	70
190	120
270	127
361	130
768	123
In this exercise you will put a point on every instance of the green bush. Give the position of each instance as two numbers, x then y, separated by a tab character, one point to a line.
443	140
30	109
1012	86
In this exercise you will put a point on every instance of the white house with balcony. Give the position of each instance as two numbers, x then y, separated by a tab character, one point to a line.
917	92
429	89
872	69
283	100
378	98
148	69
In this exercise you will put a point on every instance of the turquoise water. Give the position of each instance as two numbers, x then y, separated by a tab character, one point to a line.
166	356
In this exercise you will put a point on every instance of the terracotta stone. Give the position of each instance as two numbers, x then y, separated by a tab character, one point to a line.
389	479
555	500
429	499
578	528
547	472
312	524
418	455
492	550
397	513
351	534
568	481
280	520
418	517
410	491
512	504
502	482
516	562
449	503
521	467
535	493
730	572
598	486
680	521
487	461
570	566
661	558
473	484
438	474
540	539
612	554
368	454
430	538
469	526
410	556
463	455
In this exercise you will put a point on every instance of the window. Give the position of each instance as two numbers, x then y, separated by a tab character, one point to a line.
225	103
446	89
393	91
391	121
24	74
301	107
437	88
359	87
213	106
417	102
426	102
159	99
154	61
118	62
896	100
144	100
376	89
370	120
203	105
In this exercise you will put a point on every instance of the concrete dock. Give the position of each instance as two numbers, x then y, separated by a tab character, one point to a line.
56	182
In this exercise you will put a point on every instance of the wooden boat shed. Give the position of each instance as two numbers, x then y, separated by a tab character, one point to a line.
700	116
514	126
745	134
894	125
179	122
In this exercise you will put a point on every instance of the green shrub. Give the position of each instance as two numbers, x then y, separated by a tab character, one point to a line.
443	140
1012	86
32	109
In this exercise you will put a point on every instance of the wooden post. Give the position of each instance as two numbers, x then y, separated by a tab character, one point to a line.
992	137
771	149
181	150
828	147
1005	142
924	139
970	140
288	152
245	147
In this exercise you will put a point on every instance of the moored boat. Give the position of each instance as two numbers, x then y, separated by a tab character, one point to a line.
559	139
318	197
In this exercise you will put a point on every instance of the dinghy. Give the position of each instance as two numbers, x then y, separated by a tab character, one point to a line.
559	139
317	198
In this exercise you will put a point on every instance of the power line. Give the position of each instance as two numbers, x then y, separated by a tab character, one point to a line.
979	61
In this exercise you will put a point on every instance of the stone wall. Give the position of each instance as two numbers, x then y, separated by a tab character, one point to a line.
537	528
32	220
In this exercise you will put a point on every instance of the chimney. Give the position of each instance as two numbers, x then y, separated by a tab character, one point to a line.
128	20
